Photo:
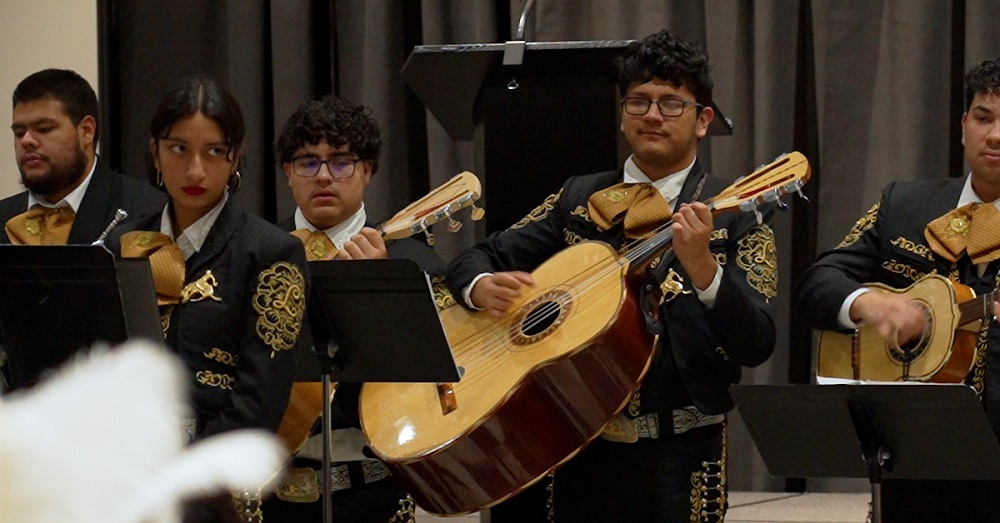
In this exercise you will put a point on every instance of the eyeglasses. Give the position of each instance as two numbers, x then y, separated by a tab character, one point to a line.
340	167
667	106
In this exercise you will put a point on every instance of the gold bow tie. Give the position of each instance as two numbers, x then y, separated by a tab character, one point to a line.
972	229
318	245
41	226
641	203
166	261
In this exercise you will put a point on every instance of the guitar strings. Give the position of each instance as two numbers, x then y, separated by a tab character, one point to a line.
496	337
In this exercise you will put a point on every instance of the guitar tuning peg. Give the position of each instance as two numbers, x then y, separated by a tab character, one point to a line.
801	194
782	205
430	237
454	225
477	213
758	215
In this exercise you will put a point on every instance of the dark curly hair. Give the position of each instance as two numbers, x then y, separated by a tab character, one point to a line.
982	79
336	120
662	56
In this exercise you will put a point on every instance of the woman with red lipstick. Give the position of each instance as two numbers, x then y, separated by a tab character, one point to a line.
231	286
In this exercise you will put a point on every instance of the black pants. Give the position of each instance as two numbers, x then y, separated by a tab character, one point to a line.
649	481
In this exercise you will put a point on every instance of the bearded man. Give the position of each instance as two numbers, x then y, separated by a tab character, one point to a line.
71	196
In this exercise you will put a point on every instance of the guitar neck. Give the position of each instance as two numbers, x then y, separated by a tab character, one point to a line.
641	253
978	308
787	173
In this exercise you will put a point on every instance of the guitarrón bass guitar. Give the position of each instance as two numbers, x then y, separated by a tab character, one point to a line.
305	405
945	353
570	352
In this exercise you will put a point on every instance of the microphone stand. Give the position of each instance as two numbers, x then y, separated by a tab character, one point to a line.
120	216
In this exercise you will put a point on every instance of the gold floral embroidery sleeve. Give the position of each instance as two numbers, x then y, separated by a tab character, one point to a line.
280	302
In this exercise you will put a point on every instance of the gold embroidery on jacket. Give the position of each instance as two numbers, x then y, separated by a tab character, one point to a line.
221	356
406	511
539	213
633	404
201	289
902	268
757	256
583	212
977	376
719	234
671	286
442	296
280	301
915	248
863	224
721	258
222	381
572	238
165	319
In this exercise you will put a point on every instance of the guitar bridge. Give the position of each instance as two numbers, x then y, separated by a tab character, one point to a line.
446	395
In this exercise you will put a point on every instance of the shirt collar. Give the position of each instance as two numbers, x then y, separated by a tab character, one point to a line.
669	186
72	199
193	238
969	195
340	233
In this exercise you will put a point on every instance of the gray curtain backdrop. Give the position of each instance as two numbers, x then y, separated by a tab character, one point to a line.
866	89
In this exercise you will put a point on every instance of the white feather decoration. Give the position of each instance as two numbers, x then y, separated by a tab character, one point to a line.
101	441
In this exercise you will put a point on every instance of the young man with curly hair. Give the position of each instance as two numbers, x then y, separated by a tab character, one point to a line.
329	151
663	457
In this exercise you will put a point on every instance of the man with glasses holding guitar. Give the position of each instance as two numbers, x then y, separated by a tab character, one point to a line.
663	457
920	234
329	150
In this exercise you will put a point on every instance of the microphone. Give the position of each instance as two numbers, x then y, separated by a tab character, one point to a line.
513	50
120	216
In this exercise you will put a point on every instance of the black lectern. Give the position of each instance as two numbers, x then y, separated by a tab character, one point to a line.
895	431
55	300
372	321
551	116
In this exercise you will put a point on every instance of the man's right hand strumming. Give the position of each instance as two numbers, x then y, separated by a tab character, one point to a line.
896	318
496	293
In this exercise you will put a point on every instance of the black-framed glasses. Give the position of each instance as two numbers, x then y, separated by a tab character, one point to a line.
340	167
667	106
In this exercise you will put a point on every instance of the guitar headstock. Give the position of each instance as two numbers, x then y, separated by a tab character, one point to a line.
768	183
440	204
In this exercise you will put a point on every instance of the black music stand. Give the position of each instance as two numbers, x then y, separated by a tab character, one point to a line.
894	431
372	321
57	300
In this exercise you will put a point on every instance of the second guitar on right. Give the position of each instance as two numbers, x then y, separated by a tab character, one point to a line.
944	354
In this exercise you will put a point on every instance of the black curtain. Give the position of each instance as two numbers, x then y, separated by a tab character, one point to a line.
869	91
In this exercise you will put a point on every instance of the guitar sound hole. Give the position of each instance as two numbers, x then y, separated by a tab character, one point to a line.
540	319
911	351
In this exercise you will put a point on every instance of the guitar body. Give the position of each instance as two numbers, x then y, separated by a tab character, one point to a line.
305	405
945	355
536	388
